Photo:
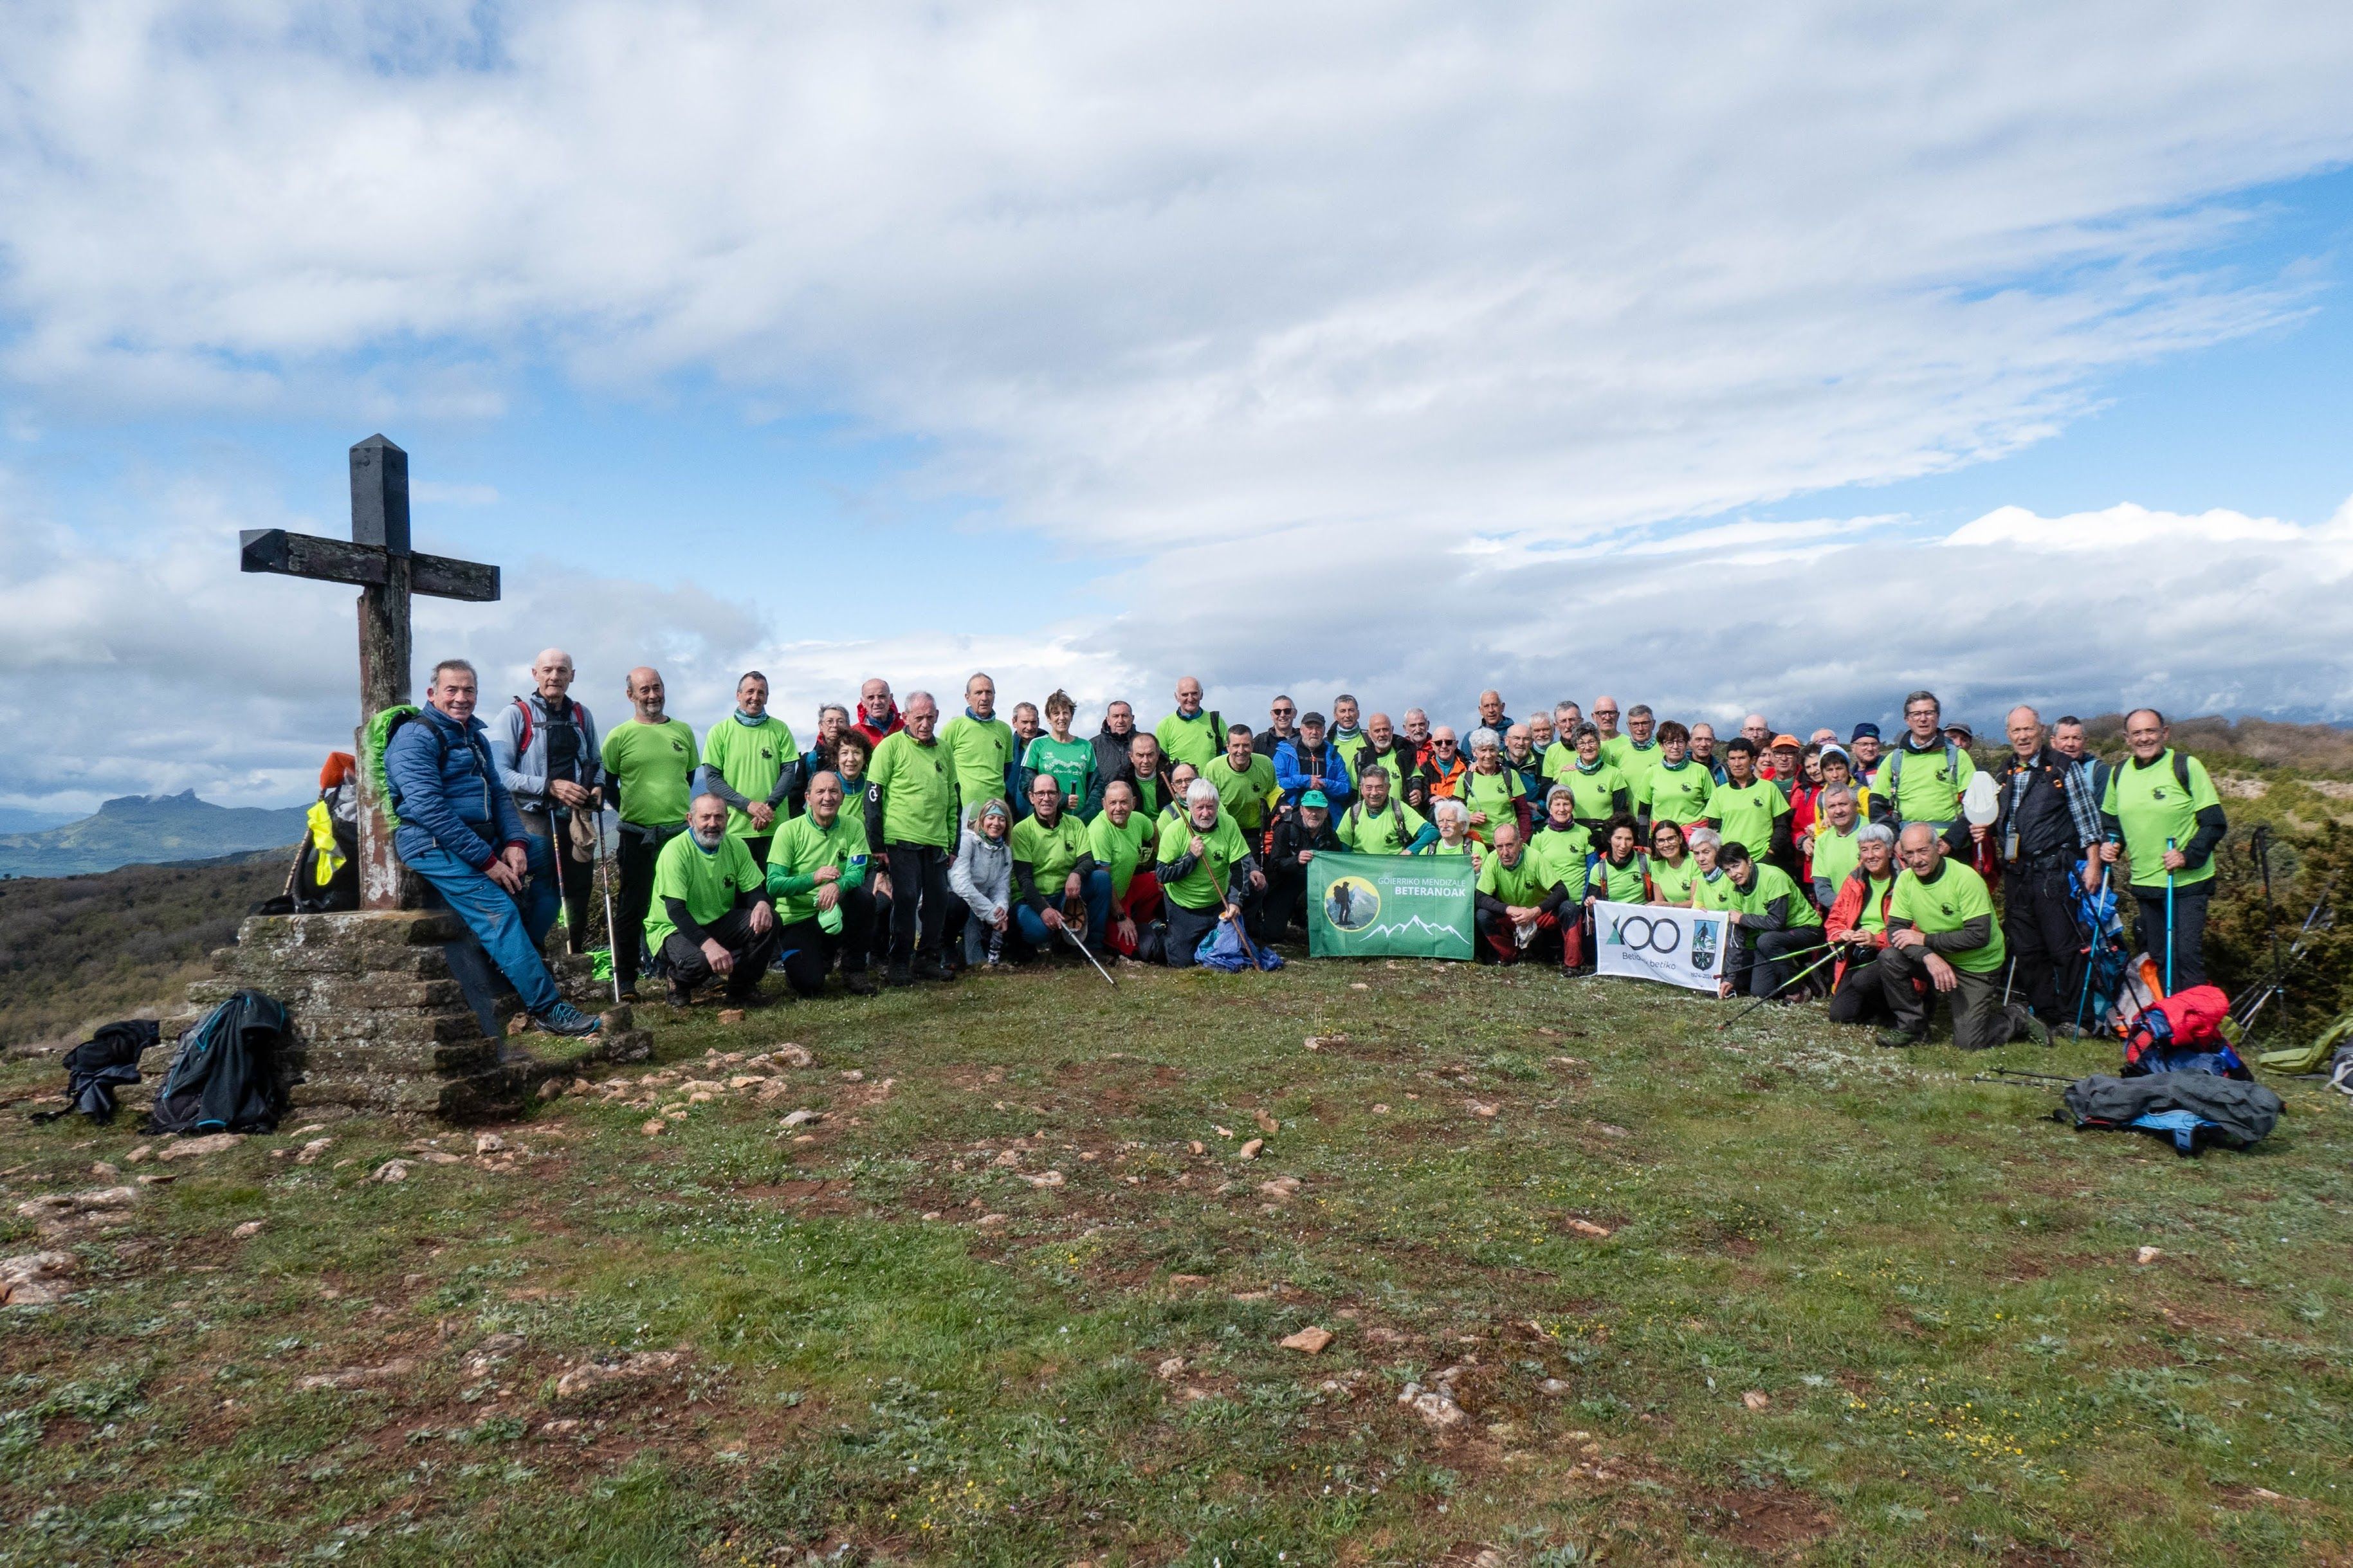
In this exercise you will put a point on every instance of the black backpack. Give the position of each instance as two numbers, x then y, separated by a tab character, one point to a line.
229	1074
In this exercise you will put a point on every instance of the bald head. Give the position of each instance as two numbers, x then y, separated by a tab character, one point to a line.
2024	727
550	673
643	690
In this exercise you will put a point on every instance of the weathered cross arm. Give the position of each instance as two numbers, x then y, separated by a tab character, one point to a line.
362	565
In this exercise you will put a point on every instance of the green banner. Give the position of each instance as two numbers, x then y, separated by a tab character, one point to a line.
1390	906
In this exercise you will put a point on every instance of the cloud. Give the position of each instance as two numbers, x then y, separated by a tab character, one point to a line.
1391	346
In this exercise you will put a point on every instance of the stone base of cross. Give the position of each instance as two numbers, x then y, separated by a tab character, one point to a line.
378	561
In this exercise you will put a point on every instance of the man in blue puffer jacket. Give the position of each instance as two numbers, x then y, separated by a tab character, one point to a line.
460	830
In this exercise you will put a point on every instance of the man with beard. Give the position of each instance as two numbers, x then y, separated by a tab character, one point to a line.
710	915
912	811
1381	748
545	745
1522	759
1206	872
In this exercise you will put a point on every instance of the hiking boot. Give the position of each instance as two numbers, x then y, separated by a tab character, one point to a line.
939	969
1898	1039
680	996
563	1019
628	994
858	983
898	974
2038	1031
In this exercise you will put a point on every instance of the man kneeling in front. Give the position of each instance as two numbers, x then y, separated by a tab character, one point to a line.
1941	933
711	914
459	831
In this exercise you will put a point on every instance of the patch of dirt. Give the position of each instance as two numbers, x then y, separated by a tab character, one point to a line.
1772	1521
828	1197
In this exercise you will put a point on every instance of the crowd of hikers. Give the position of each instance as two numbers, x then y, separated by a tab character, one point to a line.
897	840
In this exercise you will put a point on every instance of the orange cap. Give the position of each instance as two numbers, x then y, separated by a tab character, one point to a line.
1789	740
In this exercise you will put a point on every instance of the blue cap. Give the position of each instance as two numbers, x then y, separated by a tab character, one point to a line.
1316	797
1863	729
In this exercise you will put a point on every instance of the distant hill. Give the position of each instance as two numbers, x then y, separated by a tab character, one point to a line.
30	819
77	950
148	829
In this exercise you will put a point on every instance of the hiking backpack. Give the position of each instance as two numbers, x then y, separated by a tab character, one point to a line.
380	730
230	1073
2183	1033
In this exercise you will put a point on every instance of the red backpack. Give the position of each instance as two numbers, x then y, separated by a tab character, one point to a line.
2181	1030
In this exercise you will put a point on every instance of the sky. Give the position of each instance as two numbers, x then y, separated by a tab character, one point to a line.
1723	357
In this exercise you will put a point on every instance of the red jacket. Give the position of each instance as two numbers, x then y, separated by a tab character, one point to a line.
873	735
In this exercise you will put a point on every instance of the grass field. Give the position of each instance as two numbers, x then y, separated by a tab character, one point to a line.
1019	1297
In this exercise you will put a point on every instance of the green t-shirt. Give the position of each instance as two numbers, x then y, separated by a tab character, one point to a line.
1673	884
1747	816
1560	853
919	791
1836	853
1442	847
1676	793
1497	795
655	764
1383	832
750	757
1050	851
1634	761
1221	846
1521	885
1120	850
705	881
1715	891
1243	794
1624	884
1772	882
1557	760
979	751
1193	739
2150	806
1927	786
801	848
1595	790
1956	897
1873	916
1070	764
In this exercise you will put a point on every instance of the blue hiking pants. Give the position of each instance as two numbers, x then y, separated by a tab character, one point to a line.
508	932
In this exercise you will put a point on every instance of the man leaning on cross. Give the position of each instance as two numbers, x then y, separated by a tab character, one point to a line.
460	830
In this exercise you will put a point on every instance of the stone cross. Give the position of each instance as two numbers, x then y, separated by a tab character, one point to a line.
386	572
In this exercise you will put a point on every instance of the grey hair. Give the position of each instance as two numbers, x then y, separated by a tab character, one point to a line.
1833	792
1875	833
1483	736
1199	791
1704	838
1556	792
453	664
1441	810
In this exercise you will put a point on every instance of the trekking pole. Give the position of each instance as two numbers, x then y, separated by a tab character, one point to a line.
1760	1001
2091	949
605	881
2169	922
1090	957
2010	974
2259	845
1242	933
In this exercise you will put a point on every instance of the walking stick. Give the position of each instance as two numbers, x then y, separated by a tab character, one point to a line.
2169	922
2010	974
1090	957
2259	845
1760	1001
605	882
2090	946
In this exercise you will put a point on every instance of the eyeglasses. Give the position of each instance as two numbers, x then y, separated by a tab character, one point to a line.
1283	712
1443	745
1604	713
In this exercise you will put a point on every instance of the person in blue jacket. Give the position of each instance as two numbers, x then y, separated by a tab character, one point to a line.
1307	761
460	830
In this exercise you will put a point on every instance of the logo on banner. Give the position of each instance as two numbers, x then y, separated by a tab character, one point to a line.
1351	903
1647	934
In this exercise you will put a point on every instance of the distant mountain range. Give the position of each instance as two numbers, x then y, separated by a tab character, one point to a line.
144	829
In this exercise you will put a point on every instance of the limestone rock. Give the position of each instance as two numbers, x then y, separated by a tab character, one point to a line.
1311	1338
35	1278
593	1374
194	1148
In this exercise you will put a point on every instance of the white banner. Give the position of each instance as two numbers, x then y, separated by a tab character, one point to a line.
1653	942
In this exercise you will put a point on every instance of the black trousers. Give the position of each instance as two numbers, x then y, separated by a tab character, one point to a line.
732	930
806	950
1283	902
1760	966
2188	931
919	900
1979	1018
2038	922
1860	997
577	878
640	849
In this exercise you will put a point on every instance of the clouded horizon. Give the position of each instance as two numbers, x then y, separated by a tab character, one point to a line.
1718	357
